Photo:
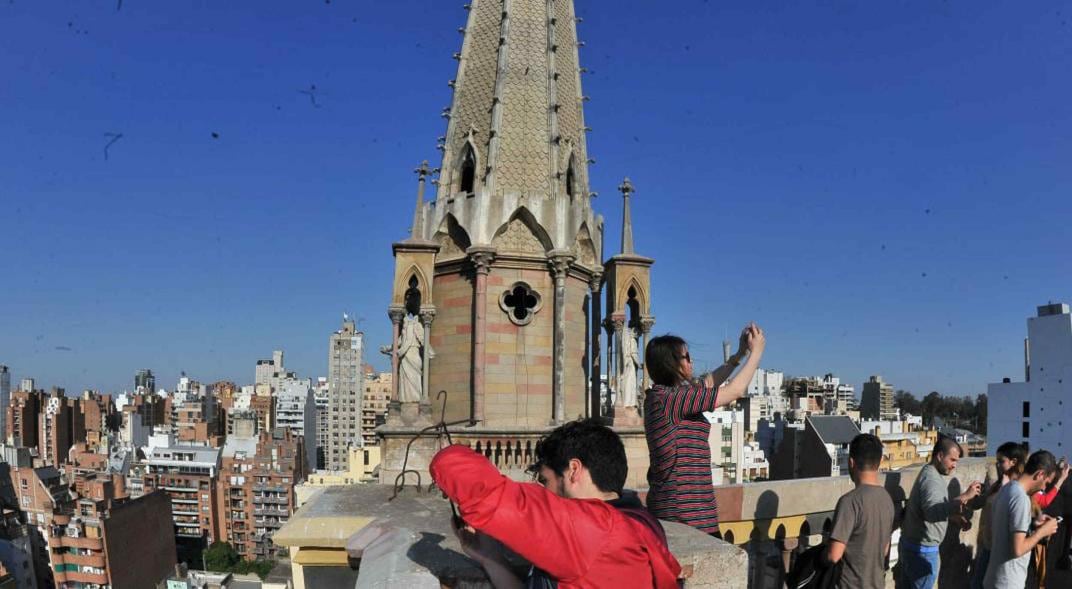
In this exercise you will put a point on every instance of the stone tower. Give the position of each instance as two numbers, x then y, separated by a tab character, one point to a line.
503	267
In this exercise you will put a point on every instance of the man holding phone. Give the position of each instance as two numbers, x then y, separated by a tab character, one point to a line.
1013	537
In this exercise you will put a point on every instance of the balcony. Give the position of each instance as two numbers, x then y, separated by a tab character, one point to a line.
418	524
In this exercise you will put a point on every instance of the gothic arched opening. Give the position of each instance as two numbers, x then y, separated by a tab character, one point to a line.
468	170
571	180
413	297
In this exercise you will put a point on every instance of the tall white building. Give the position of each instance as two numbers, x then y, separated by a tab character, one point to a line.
5	399
295	407
766	383
1034	411
345	387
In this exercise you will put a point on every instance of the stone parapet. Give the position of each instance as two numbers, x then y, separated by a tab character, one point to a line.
407	542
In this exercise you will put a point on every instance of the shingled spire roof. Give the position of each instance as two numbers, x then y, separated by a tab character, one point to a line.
517	120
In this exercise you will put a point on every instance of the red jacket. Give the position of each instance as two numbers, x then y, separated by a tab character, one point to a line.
578	542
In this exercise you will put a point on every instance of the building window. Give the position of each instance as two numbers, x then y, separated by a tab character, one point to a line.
1027	409
1027	429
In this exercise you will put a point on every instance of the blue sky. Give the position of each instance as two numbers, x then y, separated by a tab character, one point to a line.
885	188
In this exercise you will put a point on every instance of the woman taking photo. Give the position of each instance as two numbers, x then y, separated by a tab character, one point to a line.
1011	458
679	478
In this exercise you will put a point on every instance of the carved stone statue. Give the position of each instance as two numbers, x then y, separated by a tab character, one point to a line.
627	380
410	363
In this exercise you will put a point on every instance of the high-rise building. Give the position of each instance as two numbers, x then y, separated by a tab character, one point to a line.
295	408
144	381
22	414
61	424
5	399
322	399
374	403
270	372
257	479
1033	411
877	400
189	475
27	384
345	354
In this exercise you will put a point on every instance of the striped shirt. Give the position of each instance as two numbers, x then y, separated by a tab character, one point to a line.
679	478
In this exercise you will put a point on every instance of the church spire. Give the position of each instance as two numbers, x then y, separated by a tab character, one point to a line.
517	112
627	189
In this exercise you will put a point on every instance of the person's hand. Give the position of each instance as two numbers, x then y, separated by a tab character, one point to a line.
1064	475
477	545
1046	526
756	341
972	491
961	520
742	342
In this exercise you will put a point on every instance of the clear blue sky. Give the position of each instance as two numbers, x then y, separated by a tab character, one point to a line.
884	186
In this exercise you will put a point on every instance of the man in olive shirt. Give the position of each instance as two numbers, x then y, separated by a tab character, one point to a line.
863	520
927	516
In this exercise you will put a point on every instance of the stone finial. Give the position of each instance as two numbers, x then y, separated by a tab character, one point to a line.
627	189
423	171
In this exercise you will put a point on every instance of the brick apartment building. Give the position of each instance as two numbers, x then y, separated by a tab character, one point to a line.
374	402
104	522
61	424
188	476
21	414
257	478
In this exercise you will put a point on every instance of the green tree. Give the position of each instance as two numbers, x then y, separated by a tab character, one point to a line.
221	557
907	402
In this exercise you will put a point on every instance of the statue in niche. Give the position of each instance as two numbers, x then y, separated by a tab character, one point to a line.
627	380
411	364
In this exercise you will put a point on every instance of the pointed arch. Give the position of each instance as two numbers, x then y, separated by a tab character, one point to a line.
452	238
413	272
584	248
522	233
641	295
571	179
465	178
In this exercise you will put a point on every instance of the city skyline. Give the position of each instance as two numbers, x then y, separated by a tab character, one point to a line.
879	210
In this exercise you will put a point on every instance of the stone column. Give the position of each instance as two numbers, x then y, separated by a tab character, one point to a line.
611	379
560	261
481	258
617	323
427	316
646	323
396	313
596	285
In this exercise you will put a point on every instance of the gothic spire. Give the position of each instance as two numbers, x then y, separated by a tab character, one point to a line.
517	115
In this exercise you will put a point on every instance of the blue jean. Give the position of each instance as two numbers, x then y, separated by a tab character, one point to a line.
919	566
982	559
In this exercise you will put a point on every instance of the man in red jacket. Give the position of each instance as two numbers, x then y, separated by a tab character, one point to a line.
577	527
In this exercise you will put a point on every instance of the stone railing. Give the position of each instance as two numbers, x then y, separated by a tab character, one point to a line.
512	452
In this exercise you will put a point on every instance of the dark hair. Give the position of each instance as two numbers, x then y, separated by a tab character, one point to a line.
662	358
945	445
597	446
1041	460
866	451
1016	452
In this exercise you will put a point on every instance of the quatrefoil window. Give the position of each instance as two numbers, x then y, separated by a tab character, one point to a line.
520	303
